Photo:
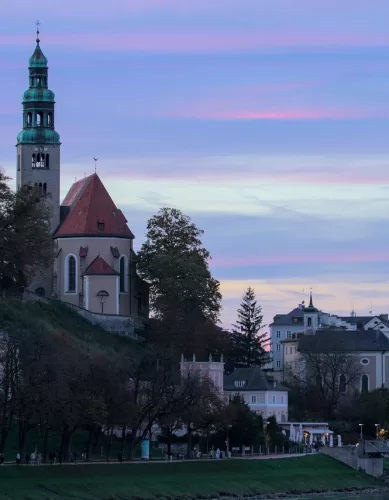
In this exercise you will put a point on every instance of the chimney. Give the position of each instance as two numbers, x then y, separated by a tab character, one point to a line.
300	307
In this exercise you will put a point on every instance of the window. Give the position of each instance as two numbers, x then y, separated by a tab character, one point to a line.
33	160
40	292
240	383
342	383
29	119
282	400
365	361
274	400
19	162
70	274
295	350
278	364
47	161
278	334
290	350
309	321
39	160
364	383
100	225
253	399
288	333
123	273
44	188
278	347
39	119
49	119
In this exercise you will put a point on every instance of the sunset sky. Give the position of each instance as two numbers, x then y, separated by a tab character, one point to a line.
266	121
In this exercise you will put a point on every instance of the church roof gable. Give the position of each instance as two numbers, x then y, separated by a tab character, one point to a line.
99	267
92	212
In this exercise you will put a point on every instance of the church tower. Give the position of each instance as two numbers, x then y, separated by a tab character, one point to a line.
38	144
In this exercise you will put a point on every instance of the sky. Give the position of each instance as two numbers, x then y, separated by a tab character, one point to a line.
266	121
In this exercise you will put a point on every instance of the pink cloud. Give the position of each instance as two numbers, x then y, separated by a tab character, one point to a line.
197	41
374	256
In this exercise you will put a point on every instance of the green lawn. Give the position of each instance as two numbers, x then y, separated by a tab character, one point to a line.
179	480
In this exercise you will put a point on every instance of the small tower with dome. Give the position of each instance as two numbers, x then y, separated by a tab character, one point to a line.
38	144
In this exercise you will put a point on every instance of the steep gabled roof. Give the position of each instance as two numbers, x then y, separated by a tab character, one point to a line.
91	212
254	380
332	340
99	267
287	319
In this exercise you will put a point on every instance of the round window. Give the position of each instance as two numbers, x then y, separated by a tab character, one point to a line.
364	361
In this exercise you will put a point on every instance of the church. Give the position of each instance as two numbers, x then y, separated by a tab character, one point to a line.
94	260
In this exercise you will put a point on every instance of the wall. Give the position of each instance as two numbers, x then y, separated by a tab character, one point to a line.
278	355
212	369
96	247
95	284
264	404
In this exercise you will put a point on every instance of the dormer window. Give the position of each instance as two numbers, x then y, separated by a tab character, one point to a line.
240	383
100	225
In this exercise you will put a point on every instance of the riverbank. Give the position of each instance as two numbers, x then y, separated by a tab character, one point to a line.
185	480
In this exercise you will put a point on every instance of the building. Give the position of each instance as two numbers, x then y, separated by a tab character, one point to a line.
94	267
263	395
285	328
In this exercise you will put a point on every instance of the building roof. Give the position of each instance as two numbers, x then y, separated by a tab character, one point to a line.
38	60
332	340
254	379
91	212
99	267
287	319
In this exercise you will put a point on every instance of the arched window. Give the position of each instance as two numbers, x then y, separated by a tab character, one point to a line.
309	323
342	383
71	274
49	119
40	160
39	119
47	161
364	383
123	274
29	119
19	161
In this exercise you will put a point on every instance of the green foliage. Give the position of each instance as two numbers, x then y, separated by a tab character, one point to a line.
175	263
248	347
247	427
26	246
183	480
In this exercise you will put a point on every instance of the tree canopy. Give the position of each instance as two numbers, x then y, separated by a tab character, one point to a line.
248	344
26	246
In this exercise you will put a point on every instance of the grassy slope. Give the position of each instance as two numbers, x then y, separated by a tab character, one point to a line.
179	480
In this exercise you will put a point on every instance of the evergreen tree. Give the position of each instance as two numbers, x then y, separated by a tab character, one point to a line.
248	344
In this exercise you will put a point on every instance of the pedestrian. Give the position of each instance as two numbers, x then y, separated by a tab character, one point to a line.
17	458
2	458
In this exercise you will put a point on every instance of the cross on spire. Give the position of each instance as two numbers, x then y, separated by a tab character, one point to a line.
37	31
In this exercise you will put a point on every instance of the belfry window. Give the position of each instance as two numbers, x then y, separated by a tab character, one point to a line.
39	119
49	119
33	160
40	160
29	119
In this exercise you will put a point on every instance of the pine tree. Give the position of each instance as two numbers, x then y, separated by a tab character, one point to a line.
248	344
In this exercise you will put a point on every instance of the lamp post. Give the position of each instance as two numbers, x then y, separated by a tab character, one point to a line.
376	430
361	426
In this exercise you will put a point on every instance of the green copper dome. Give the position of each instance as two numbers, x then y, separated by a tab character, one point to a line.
38	95
38	60
38	135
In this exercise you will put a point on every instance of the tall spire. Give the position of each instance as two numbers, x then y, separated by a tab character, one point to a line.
310	298
37	32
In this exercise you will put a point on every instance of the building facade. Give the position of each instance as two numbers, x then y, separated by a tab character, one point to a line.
261	393
94	264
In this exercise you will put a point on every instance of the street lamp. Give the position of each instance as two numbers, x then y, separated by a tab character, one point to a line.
361	426
376	430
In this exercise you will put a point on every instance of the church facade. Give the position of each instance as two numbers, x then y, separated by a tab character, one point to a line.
94	260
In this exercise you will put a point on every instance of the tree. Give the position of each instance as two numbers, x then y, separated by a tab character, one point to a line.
248	345
322	378
175	263
247	427
26	246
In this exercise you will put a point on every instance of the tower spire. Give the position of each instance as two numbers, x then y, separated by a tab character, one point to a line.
37	32
310	298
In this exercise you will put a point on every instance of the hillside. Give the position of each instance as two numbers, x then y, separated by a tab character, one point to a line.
56	318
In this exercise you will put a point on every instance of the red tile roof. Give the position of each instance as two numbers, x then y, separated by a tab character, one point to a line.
92	212
99	267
